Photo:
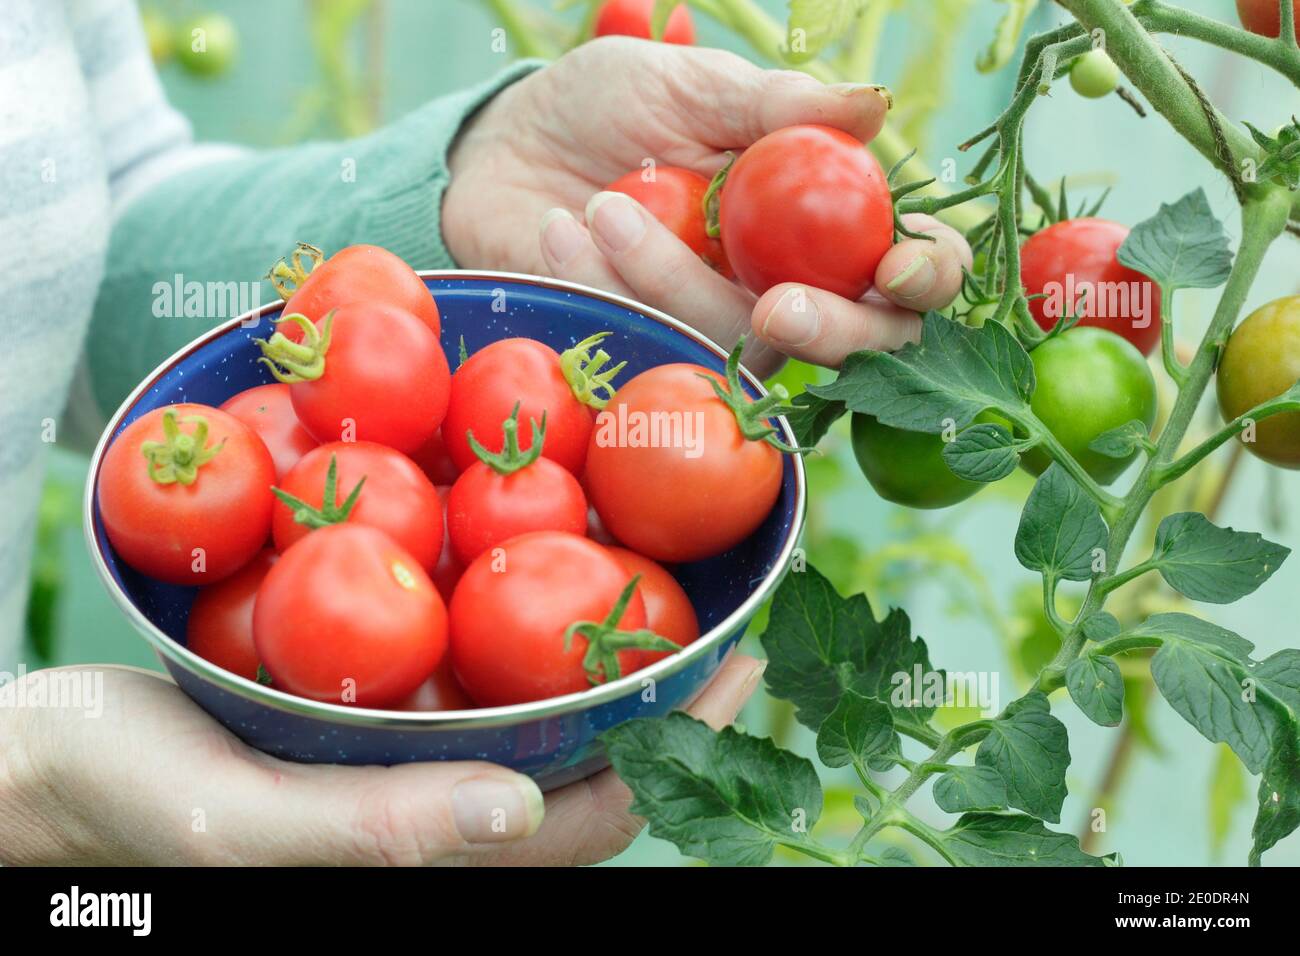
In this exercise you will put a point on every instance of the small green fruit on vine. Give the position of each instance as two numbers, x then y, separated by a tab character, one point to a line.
1094	75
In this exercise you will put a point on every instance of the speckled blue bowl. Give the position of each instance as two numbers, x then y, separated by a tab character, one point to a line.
554	740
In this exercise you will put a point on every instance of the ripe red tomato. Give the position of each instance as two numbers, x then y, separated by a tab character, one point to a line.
1074	265
669	471
502	496
675	197
440	692
1265	16
446	573
357	274
347	616
185	494
220	625
668	611
434	461
396	498
631	18
807	204
268	410
488	385
367	373
512	608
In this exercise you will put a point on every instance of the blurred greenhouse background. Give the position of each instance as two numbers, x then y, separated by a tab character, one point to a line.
332	68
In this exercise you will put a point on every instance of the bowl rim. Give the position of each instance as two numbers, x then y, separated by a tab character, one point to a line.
484	717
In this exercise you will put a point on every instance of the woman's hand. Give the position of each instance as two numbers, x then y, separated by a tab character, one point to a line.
155	780
539	155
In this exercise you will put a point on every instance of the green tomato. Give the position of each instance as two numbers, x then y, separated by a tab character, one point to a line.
206	44
907	468
1089	381
1261	361
159	34
1094	75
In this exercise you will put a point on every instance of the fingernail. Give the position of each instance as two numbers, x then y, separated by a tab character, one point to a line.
794	320
752	680
560	235
494	809
615	220
915	280
855	89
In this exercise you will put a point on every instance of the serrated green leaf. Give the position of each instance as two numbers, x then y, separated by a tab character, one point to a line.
1097	687
815	24
857	730
1278	796
1120	442
1213	564
1030	750
813	418
1060	529
970	788
1012	839
1182	246
983	453
721	796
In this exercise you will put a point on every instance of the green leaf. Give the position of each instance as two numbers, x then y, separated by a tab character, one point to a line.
983	452
1061	528
1012	839
857	730
722	796
970	788
814	24
896	856
819	645
813	418
1213	564
1100	626
951	376
1121	442
1097	687
1030	751
1279	797
1182	246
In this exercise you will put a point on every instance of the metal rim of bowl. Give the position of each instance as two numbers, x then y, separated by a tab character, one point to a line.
452	719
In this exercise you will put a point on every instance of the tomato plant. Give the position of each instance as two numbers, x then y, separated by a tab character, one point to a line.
806	204
632	18
1262	361
907	467
312	639
185	494
675	197
220	624
668	611
1073	267
268	410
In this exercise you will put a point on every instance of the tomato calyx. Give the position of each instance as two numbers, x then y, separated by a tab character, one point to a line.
179	456
304	361
586	373
329	511
713	199
752	417
510	459
291	269
605	640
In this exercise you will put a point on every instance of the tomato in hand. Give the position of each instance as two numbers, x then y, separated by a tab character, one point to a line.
1089	381
362	483
907	467
346	616
268	410
513	608
668	611
1265	16
631	18
675	197
509	372
678	473
1261	361
508	494
185	494
361	274
367	373
1074	267
220	625
807	204
440	692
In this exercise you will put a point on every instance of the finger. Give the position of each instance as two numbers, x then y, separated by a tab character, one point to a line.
570	254
820	327
920	274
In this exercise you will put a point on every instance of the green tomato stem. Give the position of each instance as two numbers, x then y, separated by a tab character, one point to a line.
510	459
179	456
330	511
291	362
590	381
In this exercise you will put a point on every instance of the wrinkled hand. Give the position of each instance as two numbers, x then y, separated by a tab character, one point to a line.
155	780
538	156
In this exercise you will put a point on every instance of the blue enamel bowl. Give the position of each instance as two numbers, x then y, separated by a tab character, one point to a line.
554	741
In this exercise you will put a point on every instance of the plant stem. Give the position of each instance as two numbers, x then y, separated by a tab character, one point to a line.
1160	17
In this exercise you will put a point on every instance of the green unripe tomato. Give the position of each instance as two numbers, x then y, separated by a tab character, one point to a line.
907	468
1094	75
1261	361
159	34
206	45
1089	381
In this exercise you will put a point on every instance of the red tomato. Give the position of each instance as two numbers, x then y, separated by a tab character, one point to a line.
367	373
488	385
220	625
347	616
668	611
185	494
440	692
675	197
357	274
670	472
807	204
631	18
446	573
511	610
396	498
268	410
1265	16
434	461
1074	265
